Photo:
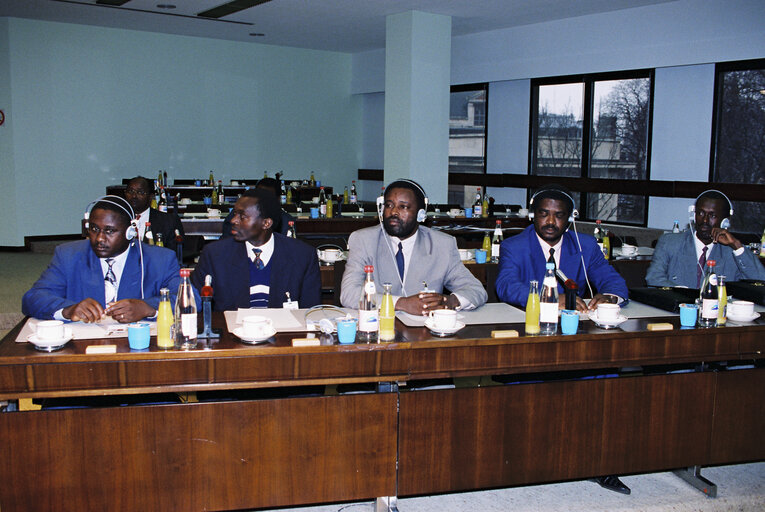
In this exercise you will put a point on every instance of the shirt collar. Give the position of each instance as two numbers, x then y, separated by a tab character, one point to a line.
267	250
117	266
700	246
546	249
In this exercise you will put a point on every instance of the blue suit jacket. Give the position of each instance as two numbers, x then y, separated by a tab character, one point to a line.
294	269
674	262
75	274
521	260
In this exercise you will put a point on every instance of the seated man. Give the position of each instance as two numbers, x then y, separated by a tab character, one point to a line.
108	274
138	193
281	225
679	258
522	257
407	256
257	267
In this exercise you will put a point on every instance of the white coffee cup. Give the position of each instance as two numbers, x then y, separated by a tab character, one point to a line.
256	326
50	330
330	254
523	212
443	318
740	308
608	312
629	250
454	212
213	212
185	200
464	254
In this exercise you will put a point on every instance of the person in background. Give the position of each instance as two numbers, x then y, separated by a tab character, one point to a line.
679	258
407	256
522	257
138	193
281	225
256	267
106	275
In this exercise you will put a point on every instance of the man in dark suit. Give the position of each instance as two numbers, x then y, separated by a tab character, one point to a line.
108	274
138	193
257	267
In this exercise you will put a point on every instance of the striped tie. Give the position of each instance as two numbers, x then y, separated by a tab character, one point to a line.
258	262
111	279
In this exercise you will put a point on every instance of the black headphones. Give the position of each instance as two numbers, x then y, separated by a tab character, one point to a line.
132	230
421	213
725	223
574	212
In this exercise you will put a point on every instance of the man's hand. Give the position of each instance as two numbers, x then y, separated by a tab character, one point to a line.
423	303
129	310
723	236
580	304
87	310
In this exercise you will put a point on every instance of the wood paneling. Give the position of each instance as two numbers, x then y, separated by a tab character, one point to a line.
212	456
509	435
739	421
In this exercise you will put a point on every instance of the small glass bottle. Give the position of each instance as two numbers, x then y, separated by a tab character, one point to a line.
496	241
291	233
322	203
709	298
346	197
330	207
354	196
486	244
478	203
722	301
159	242
368	316
185	314
676	227
532	309
164	320
148	237
548	302
387	315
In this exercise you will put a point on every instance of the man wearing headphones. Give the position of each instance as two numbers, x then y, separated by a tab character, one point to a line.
679	258
407	256
522	257
109	274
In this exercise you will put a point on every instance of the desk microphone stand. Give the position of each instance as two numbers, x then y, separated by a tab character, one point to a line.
207	295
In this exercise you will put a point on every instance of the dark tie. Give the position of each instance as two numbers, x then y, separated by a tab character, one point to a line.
700	269
400	261
551	259
258	262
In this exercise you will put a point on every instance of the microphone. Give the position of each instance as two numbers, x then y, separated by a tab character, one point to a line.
570	288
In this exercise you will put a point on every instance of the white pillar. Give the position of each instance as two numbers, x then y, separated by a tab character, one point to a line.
417	80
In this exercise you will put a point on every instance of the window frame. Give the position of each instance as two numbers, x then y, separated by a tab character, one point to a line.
588	115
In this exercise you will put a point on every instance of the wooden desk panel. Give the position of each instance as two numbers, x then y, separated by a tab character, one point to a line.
510	435
210	456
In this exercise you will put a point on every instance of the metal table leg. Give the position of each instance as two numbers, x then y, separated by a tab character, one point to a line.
692	475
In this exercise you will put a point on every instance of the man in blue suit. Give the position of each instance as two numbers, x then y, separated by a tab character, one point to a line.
679	258
257	267
107	274
522	258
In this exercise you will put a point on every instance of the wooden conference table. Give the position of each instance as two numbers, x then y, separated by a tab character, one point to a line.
280	451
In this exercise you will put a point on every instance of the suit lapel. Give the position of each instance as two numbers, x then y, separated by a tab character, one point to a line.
688	273
240	273
93	278
276	287
386	270
418	262
537	258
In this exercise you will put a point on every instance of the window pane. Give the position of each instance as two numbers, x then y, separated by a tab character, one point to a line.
619	146
559	130
467	131
740	141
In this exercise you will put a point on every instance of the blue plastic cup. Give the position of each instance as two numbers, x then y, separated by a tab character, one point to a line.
480	256
569	321
198	183
208	201
468	213
139	335
688	313
346	331
314	213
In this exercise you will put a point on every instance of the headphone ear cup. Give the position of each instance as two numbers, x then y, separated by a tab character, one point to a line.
421	215
725	223
131	232
531	215
692	214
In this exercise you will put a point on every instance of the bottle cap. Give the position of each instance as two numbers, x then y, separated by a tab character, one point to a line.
711	263
291	223
550	266
369	268
185	272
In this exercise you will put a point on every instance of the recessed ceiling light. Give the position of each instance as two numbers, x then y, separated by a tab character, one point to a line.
257	34
165	6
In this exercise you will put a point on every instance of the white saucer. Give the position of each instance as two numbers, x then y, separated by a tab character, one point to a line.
50	345
444	332
332	261
252	340
607	324
752	318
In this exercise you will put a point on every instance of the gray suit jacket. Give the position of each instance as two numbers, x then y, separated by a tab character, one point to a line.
674	262
435	260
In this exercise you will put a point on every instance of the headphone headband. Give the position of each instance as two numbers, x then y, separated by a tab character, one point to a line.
725	223
120	203
422	212
574	211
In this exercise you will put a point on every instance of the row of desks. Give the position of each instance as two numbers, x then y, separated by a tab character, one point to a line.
269	452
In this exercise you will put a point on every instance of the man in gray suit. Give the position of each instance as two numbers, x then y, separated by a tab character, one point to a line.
679	258
407	255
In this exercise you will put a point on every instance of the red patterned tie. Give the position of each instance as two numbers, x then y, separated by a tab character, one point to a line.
700	269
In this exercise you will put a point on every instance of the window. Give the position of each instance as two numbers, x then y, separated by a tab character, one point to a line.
467	136
738	145
595	127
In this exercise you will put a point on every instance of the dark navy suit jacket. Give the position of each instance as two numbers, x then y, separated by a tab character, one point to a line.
75	274
294	269
521	260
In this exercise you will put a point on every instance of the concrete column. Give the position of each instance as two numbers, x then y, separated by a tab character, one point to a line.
417	80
